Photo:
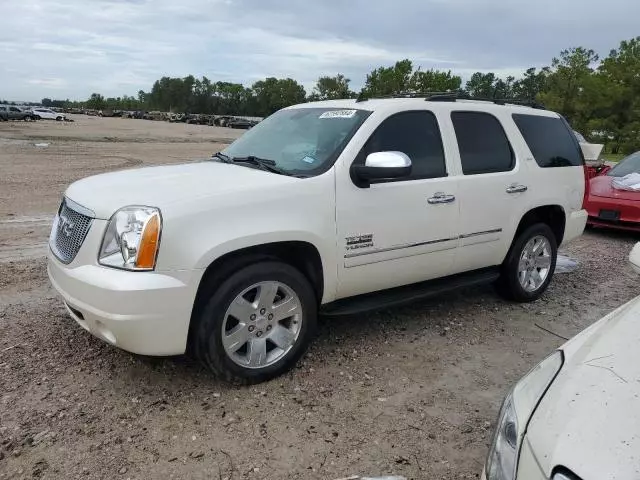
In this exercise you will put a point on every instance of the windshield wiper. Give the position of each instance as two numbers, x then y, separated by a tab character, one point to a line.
262	163
223	157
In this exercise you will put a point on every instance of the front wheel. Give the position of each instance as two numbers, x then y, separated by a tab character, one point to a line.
530	264
257	324
59	119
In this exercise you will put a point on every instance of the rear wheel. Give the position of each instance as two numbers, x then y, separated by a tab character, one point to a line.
257	323
530	264
59	119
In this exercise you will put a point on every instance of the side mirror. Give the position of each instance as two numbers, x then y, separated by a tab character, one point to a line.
382	166
634	258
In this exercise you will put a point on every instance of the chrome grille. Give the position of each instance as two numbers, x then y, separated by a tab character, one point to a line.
70	228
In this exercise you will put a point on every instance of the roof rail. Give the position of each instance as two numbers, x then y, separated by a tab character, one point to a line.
363	98
454	96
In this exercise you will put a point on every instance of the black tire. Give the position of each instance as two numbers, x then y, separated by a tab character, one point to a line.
207	338
37	117
59	119
508	285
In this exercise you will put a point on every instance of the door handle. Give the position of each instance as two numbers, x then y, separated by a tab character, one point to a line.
440	197
515	188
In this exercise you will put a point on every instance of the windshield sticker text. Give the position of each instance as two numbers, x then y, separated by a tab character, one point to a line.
339	114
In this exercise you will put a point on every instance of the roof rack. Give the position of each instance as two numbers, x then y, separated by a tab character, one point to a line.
454	96
425	95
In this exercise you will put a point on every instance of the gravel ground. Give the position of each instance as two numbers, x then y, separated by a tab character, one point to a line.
411	391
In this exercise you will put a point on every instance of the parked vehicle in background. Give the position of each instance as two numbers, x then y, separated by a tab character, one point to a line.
241	123
339	207
11	112
42	113
613	199
575	415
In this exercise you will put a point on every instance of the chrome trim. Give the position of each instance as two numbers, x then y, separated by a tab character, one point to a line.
452	247
398	247
515	188
79	208
441	197
390	159
420	244
475	234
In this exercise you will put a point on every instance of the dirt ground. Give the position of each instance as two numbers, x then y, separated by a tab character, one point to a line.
411	391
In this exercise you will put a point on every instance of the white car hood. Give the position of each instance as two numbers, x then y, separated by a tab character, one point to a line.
589	420
168	185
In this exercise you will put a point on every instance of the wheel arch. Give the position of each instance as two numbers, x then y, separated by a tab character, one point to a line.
552	215
302	255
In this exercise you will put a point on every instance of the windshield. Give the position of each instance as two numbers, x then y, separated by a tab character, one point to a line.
630	164
302	141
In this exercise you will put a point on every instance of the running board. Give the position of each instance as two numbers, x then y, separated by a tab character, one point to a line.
409	293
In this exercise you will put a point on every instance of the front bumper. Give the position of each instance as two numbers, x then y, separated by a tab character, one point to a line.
628	211
142	312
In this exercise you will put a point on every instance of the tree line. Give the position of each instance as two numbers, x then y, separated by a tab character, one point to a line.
600	98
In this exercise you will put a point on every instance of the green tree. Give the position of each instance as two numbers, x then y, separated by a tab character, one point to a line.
614	96
331	88
434	81
96	102
568	83
531	84
272	94
481	85
389	80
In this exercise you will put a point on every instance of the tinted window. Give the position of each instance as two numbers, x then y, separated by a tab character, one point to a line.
484	147
550	140
3	109
14	109
630	164
416	134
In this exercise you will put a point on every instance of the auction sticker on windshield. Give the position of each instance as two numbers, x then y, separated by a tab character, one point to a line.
339	114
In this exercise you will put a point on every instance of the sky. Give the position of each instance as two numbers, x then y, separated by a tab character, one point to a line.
70	48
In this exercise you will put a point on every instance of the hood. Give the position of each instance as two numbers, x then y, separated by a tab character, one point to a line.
168	185
588	421
601	187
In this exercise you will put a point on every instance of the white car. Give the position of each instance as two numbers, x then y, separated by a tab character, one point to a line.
575	416
46	114
337	207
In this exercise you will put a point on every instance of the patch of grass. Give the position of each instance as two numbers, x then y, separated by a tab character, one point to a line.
613	157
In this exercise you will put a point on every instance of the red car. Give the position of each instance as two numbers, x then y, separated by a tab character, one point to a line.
612	207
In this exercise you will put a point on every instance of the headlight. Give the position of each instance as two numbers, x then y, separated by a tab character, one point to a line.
132	239
517	409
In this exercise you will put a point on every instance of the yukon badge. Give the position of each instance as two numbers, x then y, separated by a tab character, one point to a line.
357	242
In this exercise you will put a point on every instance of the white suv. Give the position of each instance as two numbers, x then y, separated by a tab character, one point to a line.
46	114
334	207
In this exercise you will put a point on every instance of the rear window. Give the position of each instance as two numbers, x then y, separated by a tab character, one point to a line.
550	140
484	147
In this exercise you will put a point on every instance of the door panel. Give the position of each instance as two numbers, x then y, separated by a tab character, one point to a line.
493	188
392	236
398	232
